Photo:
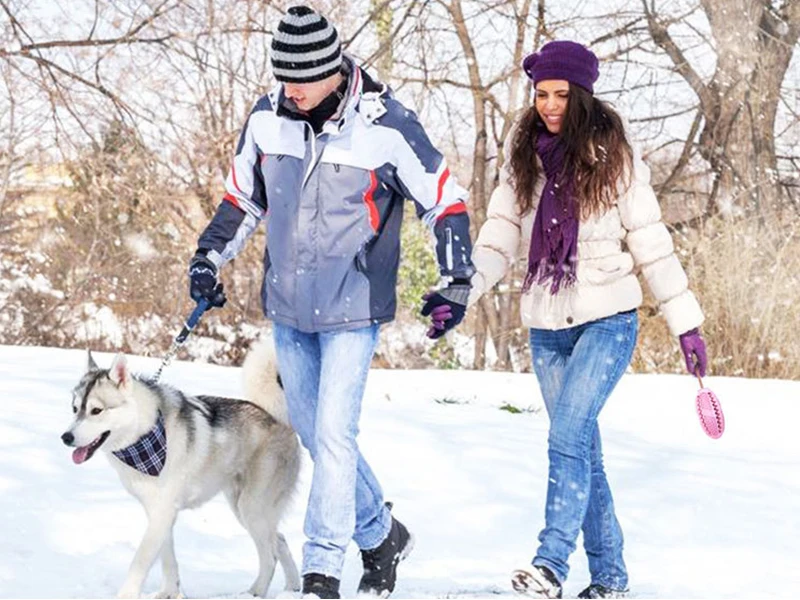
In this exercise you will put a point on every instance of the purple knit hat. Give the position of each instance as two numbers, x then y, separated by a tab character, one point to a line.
570	61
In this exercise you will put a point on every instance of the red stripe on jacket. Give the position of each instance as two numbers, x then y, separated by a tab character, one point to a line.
453	209
442	179
232	199
374	217
233	176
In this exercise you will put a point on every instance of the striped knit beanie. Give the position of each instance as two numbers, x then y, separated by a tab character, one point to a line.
305	47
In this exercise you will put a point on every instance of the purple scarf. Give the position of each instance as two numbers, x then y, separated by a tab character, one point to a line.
554	239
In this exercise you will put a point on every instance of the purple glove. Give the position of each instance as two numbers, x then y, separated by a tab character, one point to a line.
446	307
439	315
694	347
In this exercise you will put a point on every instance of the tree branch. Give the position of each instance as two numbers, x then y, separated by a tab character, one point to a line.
665	187
663	39
128	38
619	31
51	66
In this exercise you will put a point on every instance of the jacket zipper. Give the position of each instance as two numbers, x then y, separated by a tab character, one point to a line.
312	163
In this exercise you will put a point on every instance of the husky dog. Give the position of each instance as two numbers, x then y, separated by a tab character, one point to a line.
174	451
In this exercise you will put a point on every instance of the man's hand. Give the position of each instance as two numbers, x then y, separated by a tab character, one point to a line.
203	282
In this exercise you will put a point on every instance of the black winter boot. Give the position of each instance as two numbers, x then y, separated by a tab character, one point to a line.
596	590
537	581
316	585
380	564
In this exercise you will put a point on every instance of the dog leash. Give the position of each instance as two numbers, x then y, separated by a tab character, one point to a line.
191	322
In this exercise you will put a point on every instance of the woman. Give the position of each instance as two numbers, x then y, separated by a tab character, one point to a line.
577	200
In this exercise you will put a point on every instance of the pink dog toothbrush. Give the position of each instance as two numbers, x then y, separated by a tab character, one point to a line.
710	411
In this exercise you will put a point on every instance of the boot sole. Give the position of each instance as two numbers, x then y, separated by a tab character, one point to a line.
530	583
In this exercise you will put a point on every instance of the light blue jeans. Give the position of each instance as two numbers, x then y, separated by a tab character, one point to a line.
323	376
577	369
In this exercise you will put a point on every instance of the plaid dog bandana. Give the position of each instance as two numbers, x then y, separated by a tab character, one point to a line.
149	453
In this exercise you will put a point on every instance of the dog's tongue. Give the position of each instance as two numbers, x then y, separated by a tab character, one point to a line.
80	454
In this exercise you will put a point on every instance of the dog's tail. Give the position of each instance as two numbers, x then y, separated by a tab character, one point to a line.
262	384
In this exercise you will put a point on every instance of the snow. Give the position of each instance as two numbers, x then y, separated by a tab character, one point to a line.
702	518
141	246
100	323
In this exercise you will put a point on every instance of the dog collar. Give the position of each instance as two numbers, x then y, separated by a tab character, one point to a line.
149	453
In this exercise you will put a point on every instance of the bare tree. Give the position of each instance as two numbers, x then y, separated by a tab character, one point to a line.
754	41
180	78
450	63
22	118
210	77
10	158
383	21
65	66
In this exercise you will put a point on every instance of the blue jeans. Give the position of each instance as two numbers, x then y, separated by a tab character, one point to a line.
577	369
323	376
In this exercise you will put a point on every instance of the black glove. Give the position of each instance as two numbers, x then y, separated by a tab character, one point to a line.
446	307
203	282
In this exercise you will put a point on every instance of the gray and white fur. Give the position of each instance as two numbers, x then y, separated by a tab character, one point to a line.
243	448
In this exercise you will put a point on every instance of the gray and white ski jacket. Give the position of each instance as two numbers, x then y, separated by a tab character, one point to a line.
333	205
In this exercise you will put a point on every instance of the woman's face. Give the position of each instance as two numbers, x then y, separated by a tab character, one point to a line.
552	96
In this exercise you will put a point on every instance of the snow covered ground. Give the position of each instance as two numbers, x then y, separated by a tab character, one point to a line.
702	518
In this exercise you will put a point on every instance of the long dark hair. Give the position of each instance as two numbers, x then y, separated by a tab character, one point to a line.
598	156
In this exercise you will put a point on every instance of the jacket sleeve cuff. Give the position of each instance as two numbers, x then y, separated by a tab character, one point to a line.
454	246
478	282
682	313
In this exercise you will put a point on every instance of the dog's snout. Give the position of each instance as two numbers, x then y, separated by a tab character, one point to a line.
67	438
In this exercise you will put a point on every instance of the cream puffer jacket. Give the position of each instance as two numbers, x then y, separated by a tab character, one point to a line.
612	248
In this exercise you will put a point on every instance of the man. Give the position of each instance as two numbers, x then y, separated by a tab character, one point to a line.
326	159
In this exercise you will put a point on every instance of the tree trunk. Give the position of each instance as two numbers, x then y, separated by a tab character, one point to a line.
754	44
383	28
479	159
491	320
479	359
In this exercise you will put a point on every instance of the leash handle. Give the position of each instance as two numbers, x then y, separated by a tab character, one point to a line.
191	322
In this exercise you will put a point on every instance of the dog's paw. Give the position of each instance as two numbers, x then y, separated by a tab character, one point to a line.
128	593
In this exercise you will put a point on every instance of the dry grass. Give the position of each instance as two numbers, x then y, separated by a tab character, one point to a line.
747	279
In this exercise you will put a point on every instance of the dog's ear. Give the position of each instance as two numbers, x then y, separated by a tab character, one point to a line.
119	373
91	365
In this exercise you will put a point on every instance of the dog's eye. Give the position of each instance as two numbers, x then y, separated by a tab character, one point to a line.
97	411
74	409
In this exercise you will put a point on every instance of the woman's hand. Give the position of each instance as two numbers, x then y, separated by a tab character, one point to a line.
694	351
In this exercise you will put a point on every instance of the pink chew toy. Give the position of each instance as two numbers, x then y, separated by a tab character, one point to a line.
710	412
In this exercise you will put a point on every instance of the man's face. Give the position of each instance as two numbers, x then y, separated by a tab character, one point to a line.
308	95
